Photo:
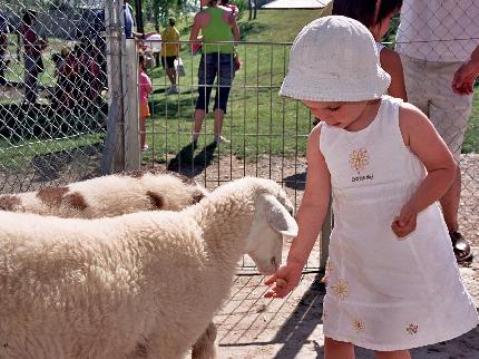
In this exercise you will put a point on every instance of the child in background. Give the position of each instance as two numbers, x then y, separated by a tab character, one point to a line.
170	52
145	89
376	15
392	280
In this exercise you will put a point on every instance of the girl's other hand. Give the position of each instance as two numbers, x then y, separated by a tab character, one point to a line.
406	222
284	280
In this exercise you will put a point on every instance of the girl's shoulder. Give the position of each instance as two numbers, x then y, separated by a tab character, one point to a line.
315	133
144	75
144	79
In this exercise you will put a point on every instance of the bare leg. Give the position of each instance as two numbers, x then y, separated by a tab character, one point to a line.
142	133
219	116
171	75
399	354
199	116
450	203
205	347
334	349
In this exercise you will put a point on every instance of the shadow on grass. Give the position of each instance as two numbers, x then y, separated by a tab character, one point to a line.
296	181
162	90
187	164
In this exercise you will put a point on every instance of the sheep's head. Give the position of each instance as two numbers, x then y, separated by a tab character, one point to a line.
272	220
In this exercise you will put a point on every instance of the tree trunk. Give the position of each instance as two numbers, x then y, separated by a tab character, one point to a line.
250	9
255	8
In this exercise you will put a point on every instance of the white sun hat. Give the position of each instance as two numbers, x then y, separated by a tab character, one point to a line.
335	58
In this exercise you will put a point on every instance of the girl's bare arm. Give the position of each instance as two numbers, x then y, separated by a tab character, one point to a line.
314	205
424	141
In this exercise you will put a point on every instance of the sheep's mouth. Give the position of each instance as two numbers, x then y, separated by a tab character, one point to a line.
266	268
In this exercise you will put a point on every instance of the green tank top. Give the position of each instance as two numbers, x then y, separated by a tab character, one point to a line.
217	30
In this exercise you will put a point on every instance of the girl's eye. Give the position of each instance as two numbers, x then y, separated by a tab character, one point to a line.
333	109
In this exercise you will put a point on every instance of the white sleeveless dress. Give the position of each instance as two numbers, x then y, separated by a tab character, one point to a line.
383	293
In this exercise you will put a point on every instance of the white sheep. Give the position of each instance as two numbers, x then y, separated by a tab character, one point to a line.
114	195
108	196
113	288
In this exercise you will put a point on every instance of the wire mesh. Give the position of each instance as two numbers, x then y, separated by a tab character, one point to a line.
54	92
263	135
435	39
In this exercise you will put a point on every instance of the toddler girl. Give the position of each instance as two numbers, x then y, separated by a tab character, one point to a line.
392	280
145	88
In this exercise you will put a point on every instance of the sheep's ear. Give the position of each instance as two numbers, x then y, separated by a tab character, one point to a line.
278	217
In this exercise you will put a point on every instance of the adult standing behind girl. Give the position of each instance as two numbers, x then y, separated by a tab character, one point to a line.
392	282
217	24
376	15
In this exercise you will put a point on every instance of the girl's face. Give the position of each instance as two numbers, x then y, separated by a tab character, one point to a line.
338	114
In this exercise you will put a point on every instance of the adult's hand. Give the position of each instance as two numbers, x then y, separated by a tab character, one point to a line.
466	75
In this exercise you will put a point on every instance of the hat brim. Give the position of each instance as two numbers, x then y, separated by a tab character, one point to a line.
334	89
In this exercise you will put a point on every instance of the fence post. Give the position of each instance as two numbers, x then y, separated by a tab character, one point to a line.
113	159
132	145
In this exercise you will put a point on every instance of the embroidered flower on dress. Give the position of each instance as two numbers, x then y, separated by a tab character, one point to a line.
341	289
412	329
359	159
358	325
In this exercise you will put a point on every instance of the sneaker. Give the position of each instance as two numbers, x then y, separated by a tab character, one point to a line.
461	247
221	139
144	148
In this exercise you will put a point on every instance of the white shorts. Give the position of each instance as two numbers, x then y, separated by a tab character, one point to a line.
428	86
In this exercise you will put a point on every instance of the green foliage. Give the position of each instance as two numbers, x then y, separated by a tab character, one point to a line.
158	11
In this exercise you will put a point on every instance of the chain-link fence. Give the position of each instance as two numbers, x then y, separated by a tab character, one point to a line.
54	89
262	135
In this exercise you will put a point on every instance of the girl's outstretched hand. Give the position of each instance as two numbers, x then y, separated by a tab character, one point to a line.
406	222
284	280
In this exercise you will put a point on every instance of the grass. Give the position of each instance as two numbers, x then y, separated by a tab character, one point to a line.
258	122
17	156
